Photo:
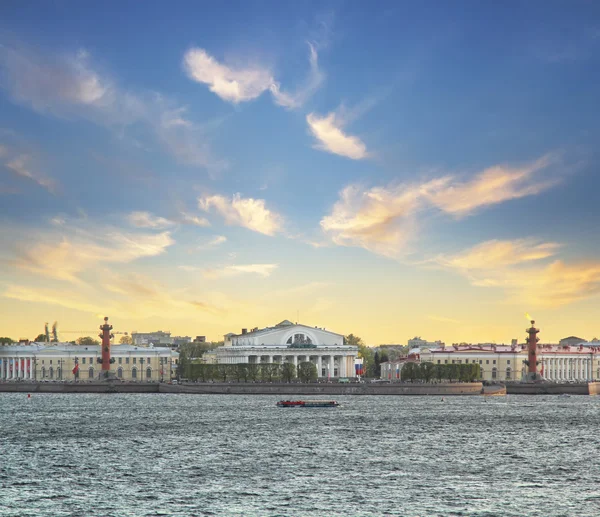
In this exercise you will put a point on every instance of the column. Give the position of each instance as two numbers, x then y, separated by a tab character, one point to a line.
343	366
269	359
319	366
331	366
295	361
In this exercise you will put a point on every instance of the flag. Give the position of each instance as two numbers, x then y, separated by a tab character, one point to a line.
76	369
397	371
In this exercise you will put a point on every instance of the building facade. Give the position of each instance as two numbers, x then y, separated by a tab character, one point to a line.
508	363
57	362
157	338
292	343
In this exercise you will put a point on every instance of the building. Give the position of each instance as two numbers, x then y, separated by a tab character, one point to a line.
417	342
181	340
289	342
57	361
509	363
158	338
571	340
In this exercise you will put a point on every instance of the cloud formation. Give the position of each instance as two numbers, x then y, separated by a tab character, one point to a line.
73	248
330	137
20	165
263	270
246	212
242	84
68	86
383	219
147	220
522	270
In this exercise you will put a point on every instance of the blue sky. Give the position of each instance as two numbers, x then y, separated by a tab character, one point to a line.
394	170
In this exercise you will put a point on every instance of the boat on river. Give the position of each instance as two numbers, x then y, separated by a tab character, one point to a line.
307	403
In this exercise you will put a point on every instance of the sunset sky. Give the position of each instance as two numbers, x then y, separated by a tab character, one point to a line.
383	169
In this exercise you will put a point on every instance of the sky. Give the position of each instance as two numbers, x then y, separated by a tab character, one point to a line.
390	170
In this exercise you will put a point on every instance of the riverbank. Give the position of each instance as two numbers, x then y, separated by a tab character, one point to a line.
295	389
282	389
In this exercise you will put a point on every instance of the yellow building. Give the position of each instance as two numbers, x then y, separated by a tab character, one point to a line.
57	362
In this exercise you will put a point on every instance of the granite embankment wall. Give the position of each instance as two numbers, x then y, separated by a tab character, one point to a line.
552	388
473	388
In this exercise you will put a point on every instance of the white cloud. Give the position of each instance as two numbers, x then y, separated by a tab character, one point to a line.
328	132
246	212
194	220
68	86
147	220
521	269
312	83
246	83
492	186
233	85
383	219
263	270
71	249
20	165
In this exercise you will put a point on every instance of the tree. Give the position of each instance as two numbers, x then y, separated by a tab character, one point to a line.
41	338
307	372
87	341
5	341
126	340
365	352
288	372
428	371
241	372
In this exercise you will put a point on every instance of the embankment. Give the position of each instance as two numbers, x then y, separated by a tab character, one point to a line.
472	388
553	388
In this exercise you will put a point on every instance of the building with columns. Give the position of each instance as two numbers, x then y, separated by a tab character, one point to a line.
508	363
289	342
56	362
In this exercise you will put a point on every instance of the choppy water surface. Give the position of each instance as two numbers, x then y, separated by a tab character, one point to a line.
185	455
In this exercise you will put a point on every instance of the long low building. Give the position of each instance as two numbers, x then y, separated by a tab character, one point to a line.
289	342
508	363
57	362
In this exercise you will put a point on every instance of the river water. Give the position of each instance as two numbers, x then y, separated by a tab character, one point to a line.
192	455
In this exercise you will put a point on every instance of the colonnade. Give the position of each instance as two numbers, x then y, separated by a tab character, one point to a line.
17	367
568	369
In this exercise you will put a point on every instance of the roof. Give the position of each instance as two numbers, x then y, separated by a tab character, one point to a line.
37	348
281	326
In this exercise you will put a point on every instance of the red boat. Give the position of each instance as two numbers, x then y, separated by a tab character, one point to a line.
307	403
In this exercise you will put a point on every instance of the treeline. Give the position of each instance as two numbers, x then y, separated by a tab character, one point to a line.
442	372
242	372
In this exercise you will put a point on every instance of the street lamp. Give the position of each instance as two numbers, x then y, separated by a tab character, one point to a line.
142	369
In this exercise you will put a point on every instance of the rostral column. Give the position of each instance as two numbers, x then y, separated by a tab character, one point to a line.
106	337
532	342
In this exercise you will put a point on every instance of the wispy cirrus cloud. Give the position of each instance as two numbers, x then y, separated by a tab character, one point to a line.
238	84
263	270
383	219
72	248
246	212
522	268
147	220
67	85
21	166
331	138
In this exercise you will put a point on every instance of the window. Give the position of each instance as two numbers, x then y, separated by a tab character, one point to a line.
452	361
134	373
148	373
494	361
120	373
127	360
43	372
148	360
487	361
120	360
50	361
439	361
91	373
83	360
42	361
134	360
51	372
508	362
508	372
466	361
494	372
446	361
480	361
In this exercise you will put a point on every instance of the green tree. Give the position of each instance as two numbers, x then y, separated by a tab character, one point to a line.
126	340
223	372
41	338
241	372
410	371
428	371
253	371
288	372
365	352
5	341
307	372
87	341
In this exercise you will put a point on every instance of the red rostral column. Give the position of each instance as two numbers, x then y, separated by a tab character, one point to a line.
106	337
532	342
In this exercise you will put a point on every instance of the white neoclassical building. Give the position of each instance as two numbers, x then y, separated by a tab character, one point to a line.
56	362
289	342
